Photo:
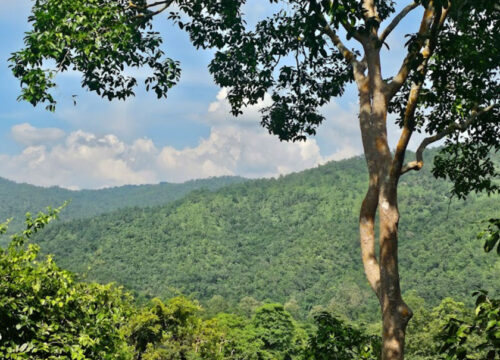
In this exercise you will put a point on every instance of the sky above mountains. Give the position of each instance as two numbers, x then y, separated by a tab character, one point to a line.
190	135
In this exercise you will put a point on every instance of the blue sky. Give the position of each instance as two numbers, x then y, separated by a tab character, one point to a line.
190	135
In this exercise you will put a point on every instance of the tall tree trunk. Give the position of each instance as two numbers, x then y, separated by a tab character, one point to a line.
384	169
395	313
382	275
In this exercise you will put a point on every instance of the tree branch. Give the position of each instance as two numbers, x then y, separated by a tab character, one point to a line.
165	7
346	53
419	162
157	3
404	71
432	21
370	14
349	56
166	4
411	106
351	30
61	64
395	22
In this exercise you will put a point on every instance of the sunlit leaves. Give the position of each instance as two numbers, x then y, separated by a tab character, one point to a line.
173	330
275	327
491	235
101	39
45	313
335	340
458	334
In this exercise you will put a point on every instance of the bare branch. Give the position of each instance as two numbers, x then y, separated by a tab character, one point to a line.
419	162
432	21
346	53
157	3
351	30
396	21
166	4
63	61
160	10
411	106
404	71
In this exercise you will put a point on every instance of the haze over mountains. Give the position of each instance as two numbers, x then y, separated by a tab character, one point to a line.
17	199
292	239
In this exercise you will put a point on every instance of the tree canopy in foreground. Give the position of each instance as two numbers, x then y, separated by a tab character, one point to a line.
447	86
47	313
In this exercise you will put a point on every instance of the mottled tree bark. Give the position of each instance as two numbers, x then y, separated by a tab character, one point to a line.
384	168
382	275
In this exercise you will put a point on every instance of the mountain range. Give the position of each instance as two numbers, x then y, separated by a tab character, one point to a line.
292	239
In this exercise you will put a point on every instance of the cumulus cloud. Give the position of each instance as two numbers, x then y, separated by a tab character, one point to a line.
82	160
230	150
340	136
219	112
28	135
240	146
86	160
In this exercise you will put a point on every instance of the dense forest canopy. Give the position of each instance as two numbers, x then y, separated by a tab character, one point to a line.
46	312
18	199
266	239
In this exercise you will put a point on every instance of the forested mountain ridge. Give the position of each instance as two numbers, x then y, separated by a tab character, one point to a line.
17	199
292	239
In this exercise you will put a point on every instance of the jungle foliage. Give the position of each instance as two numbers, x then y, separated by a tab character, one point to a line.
18	199
290	240
46	313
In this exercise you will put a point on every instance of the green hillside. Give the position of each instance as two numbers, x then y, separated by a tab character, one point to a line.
292	238
17	199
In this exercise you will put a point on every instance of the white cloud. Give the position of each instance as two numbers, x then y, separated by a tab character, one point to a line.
230	150
85	160
28	135
339	137
238	146
219	112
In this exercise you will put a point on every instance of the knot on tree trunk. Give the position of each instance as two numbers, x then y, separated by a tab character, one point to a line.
405	313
